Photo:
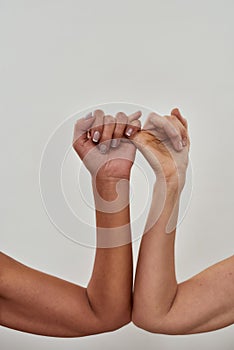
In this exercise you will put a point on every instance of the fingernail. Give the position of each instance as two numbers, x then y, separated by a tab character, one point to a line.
96	136
184	142
180	145
89	115
102	149
114	143
129	132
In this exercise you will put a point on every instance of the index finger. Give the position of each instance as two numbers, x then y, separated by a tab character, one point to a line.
134	116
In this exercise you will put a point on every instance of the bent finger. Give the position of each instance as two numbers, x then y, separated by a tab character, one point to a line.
121	121
174	135
134	116
107	132
132	128
97	127
176	112
153	120
81	127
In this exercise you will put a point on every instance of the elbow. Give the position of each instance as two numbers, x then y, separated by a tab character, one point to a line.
101	324
109	315
142	322
123	319
112	322
158	325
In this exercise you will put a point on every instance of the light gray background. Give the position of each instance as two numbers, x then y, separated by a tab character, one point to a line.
58	57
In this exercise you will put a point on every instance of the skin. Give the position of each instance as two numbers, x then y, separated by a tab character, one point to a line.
35	302
204	302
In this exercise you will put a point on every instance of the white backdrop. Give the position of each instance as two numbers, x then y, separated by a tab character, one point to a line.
58	57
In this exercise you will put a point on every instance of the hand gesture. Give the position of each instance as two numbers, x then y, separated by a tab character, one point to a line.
101	141
164	142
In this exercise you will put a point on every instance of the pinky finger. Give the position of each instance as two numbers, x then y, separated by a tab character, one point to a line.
81	128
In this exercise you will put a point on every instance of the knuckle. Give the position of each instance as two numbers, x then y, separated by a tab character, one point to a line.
184	130
185	122
98	112
151	116
75	145
106	139
170	118
121	117
165	122
156	120
174	134
136	124
117	135
118	132
109	119
77	124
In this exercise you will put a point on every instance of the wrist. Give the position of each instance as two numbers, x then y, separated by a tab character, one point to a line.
171	188
109	188
110	195
173	182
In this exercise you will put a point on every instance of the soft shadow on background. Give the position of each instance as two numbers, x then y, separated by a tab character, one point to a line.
58	57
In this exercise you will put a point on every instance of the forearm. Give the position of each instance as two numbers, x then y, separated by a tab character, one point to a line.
110	288
155	284
203	303
35	302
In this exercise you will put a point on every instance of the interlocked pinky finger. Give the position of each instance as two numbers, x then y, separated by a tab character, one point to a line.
81	128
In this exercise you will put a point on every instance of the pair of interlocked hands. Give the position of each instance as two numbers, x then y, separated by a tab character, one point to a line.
107	145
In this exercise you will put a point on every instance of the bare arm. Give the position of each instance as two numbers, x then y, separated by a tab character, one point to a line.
161	305
35	302
32	301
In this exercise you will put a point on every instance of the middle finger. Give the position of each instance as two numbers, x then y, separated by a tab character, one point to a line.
107	132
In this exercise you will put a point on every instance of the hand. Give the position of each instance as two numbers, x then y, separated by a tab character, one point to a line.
101	141
164	142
